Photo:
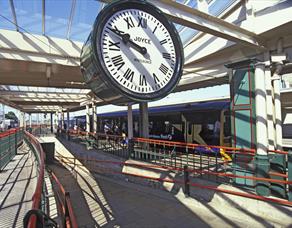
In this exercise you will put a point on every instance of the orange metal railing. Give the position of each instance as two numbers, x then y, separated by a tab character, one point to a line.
38	195
184	153
94	168
65	204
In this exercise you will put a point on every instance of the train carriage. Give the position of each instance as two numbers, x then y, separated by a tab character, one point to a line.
205	122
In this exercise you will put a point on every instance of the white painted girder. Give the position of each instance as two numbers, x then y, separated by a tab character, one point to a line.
37	48
193	18
262	24
198	20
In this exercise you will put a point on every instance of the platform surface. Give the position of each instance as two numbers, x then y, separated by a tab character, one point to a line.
110	202
17	185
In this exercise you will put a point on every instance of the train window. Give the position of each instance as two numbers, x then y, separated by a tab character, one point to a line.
211	127
167	127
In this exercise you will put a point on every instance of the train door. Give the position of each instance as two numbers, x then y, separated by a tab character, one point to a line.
225	128
192	133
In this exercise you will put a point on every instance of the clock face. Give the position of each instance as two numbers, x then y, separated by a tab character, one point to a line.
140	72
138	50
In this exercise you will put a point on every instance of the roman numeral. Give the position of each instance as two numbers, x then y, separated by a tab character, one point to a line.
142	22
129	74
154	29
163	41
114	46
156	79
118	61
166	55
130	22
115	30
142	80
163	69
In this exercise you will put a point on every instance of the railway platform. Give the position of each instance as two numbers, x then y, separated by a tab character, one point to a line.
167	154
17	185
119	201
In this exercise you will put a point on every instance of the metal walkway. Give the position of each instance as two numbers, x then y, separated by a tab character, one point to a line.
17	185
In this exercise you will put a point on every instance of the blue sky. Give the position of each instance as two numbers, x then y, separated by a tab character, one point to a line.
57	14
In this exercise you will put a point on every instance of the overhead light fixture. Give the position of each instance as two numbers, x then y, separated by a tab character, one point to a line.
48	73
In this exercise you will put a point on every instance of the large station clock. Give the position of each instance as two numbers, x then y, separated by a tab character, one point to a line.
132	54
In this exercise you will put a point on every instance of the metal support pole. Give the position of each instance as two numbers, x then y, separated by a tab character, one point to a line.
130	132
270	108
261	113
55	120
262	161
52	123
130	122
68	119
58	122
68	124
87	118
186	181
144	119
278	114
62	120
94	118
30	127
24	123
21	119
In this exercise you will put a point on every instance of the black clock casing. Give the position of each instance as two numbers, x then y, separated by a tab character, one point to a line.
99	77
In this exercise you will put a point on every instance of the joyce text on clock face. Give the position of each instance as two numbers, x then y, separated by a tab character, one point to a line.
138	51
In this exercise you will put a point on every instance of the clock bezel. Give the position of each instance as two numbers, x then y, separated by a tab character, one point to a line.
108	79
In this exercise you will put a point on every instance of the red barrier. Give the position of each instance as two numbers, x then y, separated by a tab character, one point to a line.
178	144
242	194
70	220
38	191
181	169
8	132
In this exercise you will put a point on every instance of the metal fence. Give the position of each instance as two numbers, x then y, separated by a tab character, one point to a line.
38	215
9	141
236	166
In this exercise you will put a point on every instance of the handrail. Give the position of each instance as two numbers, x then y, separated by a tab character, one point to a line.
169	143
271	180
218	189
179	144
67	208
10	132
38	191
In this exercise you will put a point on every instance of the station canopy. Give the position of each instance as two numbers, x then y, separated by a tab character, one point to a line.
61	85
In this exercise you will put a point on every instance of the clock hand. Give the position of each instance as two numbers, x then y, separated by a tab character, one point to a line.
126	39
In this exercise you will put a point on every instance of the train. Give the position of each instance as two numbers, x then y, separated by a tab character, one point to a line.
7	124
202	122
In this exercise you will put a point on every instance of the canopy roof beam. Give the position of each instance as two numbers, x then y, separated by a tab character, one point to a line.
195	19
72	12
14	14
44	17
11	104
